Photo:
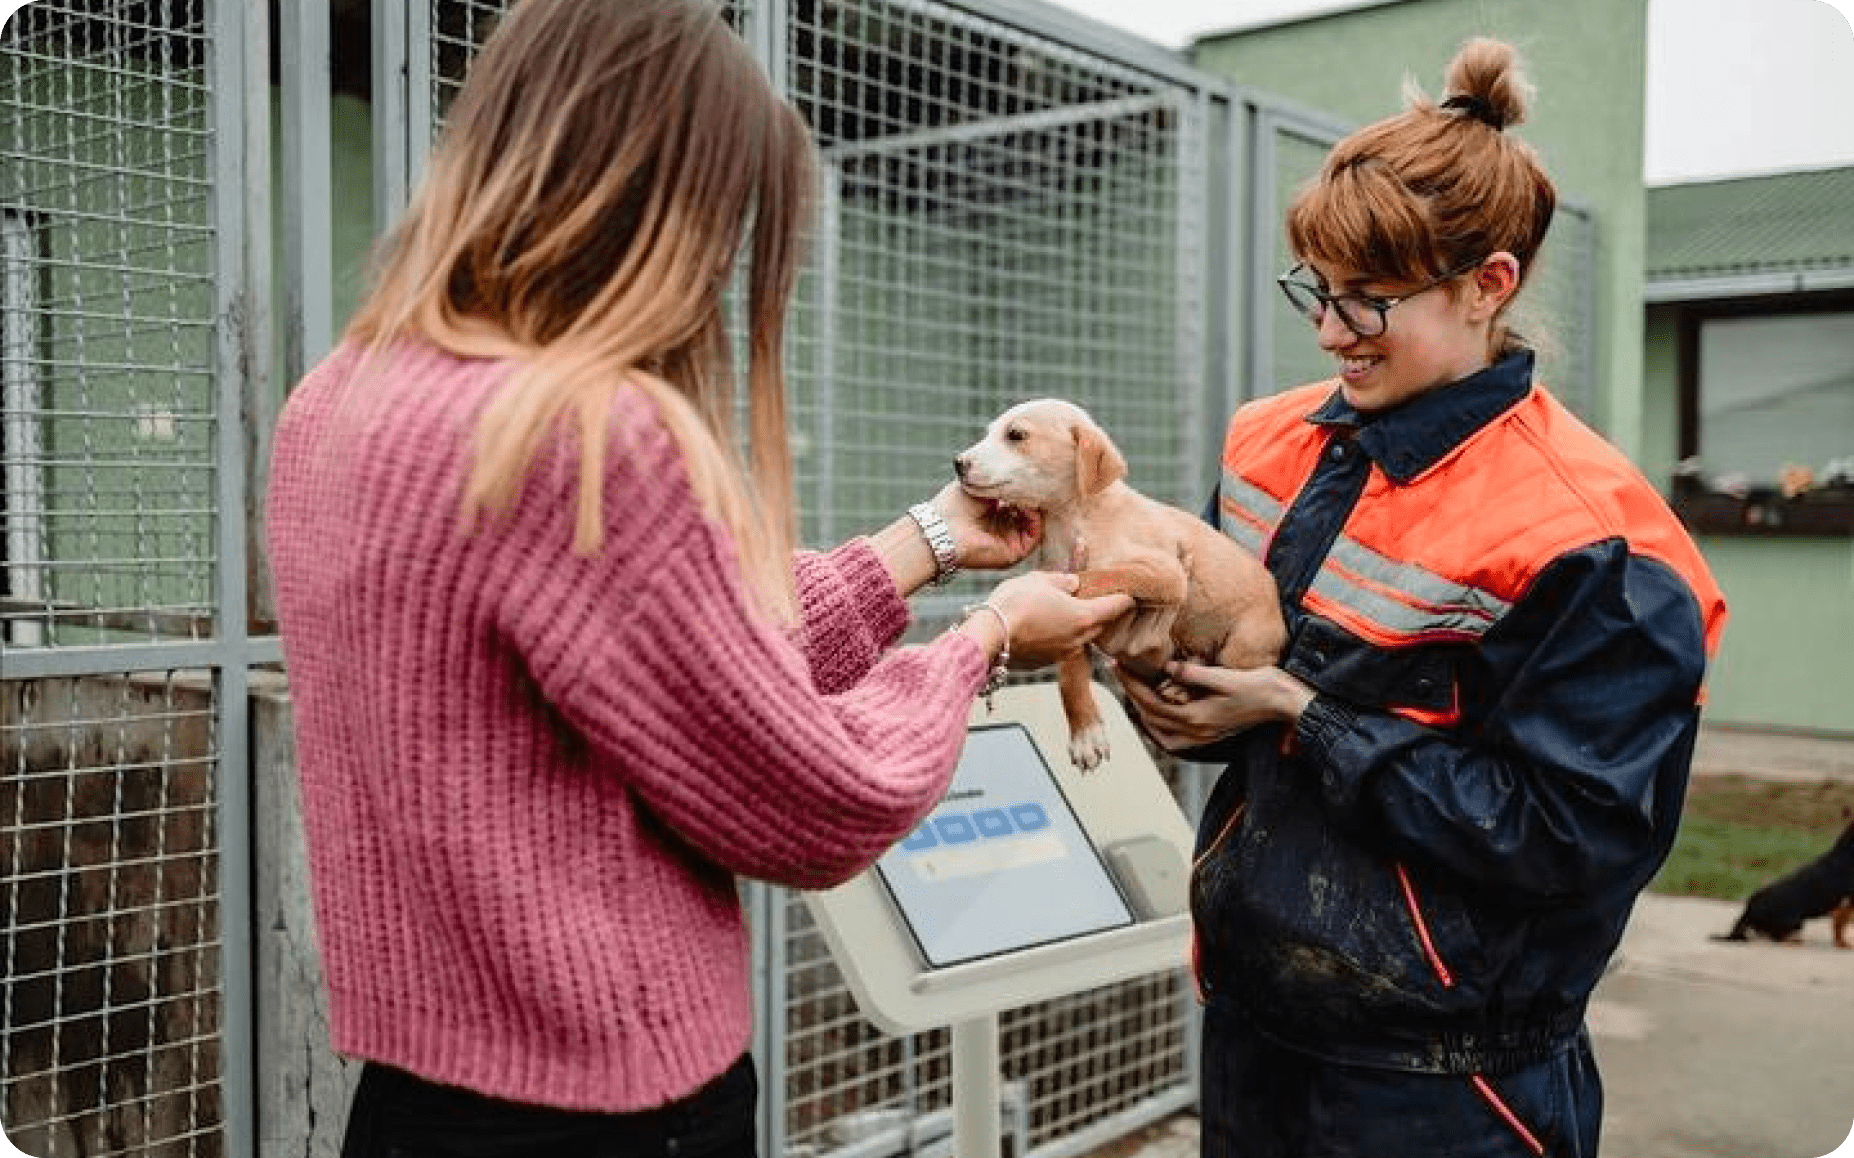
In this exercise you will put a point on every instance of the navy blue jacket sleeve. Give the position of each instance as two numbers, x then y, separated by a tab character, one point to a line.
1571	778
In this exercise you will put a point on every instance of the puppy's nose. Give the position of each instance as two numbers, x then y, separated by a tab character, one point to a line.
961	464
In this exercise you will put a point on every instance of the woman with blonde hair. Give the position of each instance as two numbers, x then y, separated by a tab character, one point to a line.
1441	804
557	678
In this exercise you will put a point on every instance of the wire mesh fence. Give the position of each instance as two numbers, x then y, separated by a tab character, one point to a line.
112	1004
109	899
106	214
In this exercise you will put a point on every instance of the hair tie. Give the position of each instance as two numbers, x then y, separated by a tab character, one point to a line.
1476	107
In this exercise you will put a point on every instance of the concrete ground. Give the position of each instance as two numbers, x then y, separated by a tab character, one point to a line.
1708	1049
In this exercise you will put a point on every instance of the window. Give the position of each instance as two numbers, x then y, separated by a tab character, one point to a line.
1767	416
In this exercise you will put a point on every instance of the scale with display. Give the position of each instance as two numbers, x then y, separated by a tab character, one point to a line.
1029	880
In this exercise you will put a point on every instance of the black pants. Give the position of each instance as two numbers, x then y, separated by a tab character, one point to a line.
397	1115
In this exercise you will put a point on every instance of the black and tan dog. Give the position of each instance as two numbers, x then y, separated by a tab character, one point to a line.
1822	888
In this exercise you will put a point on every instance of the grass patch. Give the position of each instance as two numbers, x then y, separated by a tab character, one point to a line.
1739	834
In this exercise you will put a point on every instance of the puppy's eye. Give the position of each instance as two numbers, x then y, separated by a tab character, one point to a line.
1015	434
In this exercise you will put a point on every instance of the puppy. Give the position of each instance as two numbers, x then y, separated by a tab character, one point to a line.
1197	594
1822	888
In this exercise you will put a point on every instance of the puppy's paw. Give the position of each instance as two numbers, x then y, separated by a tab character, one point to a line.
1173	692
1088	747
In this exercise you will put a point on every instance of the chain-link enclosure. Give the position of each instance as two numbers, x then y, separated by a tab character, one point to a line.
112	916
107	222
117	197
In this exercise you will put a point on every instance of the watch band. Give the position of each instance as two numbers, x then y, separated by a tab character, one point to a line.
939	538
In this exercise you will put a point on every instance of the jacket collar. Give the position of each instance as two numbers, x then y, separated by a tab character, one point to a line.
1408	440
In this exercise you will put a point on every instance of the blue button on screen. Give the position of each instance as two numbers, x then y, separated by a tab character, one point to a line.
955	829
992	822
1029	817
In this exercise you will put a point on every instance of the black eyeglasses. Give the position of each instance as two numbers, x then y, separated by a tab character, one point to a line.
1363	314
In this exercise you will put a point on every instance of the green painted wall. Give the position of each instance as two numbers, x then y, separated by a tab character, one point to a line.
1785	657
1660	394
1586	59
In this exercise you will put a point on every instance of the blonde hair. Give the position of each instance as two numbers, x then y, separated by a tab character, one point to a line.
582	213
1436	187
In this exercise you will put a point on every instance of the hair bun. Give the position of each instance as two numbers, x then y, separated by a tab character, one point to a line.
1478	108
1486	82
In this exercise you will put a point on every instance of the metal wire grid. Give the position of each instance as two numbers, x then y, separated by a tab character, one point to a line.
106	223
109	901
459	29
1000	221
1298	358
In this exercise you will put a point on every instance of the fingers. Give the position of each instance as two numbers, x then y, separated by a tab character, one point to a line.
1104	609
1197	675
1060	580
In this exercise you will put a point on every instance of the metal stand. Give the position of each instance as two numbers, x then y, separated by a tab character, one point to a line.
976	1087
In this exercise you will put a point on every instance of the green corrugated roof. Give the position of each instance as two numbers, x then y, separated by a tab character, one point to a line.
1783	223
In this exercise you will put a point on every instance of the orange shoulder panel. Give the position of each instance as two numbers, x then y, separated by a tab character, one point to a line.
1269	442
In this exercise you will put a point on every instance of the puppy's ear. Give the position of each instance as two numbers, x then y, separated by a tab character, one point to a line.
1098	464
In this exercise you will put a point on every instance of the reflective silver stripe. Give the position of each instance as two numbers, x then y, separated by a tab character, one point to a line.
1248	536
1258	502
1391	614
1453	607
1417	582
1252	501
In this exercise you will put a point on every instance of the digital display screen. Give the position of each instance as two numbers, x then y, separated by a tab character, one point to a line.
1001	863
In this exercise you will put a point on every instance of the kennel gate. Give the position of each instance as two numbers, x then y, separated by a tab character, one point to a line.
129	332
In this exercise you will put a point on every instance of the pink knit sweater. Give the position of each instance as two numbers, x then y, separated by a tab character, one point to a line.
530	778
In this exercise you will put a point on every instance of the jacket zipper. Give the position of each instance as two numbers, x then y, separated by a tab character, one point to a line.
1197	975
1442	971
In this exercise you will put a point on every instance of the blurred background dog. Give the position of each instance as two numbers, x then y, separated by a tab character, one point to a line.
1822	888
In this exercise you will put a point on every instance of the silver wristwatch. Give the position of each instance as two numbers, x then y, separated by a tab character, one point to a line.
934	529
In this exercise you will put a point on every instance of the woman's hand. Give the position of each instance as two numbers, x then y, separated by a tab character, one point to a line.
1223	701
987	536
1047	621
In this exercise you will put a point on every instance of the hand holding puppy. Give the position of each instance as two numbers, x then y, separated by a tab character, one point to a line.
988	535
1223	701
1046	620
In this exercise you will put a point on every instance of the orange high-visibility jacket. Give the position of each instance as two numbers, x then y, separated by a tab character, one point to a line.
1508	631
